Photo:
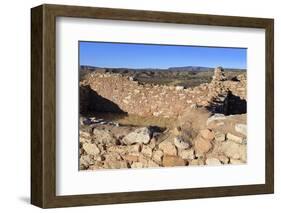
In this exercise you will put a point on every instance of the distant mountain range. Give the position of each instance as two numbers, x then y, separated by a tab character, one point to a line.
190	68
177	69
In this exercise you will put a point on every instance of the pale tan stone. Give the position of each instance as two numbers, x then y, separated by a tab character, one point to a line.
157	156
219	137
234	150
234	138
140	135
236	162
196	162
115	164
137	165
207	134
147	151
91	148
223	159
213	161
202	145
168	148
187	154
169	160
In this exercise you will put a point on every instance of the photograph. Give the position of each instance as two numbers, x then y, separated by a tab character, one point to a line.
170	105
158	105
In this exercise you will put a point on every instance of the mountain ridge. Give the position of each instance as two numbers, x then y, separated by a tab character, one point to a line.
181	68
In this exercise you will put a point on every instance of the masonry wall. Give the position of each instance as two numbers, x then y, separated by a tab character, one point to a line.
155	100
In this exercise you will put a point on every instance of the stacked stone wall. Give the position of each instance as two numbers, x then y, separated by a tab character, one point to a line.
158	100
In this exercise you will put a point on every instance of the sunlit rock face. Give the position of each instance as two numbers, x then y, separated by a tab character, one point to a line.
124	94
219	74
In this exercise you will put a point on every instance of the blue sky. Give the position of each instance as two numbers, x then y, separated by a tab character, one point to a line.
123	55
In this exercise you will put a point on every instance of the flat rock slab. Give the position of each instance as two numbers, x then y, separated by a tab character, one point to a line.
169	160
140	135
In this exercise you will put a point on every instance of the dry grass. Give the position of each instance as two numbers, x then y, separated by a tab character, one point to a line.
135	120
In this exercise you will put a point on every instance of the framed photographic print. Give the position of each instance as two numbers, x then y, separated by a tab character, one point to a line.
137	106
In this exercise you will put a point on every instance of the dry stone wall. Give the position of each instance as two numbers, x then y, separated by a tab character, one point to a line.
157	100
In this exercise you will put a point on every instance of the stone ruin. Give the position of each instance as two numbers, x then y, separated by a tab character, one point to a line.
219	74
203	134
104	92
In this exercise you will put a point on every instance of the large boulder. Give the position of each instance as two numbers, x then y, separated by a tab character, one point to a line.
147	151
168	148
103	136
91	149
140	135
203	141
234	150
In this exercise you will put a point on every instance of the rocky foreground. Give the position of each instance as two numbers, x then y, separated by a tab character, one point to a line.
107	145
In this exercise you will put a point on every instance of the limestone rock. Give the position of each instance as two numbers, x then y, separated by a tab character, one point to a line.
176	131
234	150
131	158
179	88
202	143
103	136
86	160
115	164
147	151
95	167
144	160
223	159
169	160
157	156
112	156
243	153
99	158
207	134
85	140
85	137
236	162
216	117
140	135
241	128
152	164
196	162
137	165
135	148
234	138
117	149
187	154
219	136
213	161
219	74
91	148
180	143
168	148
152	143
